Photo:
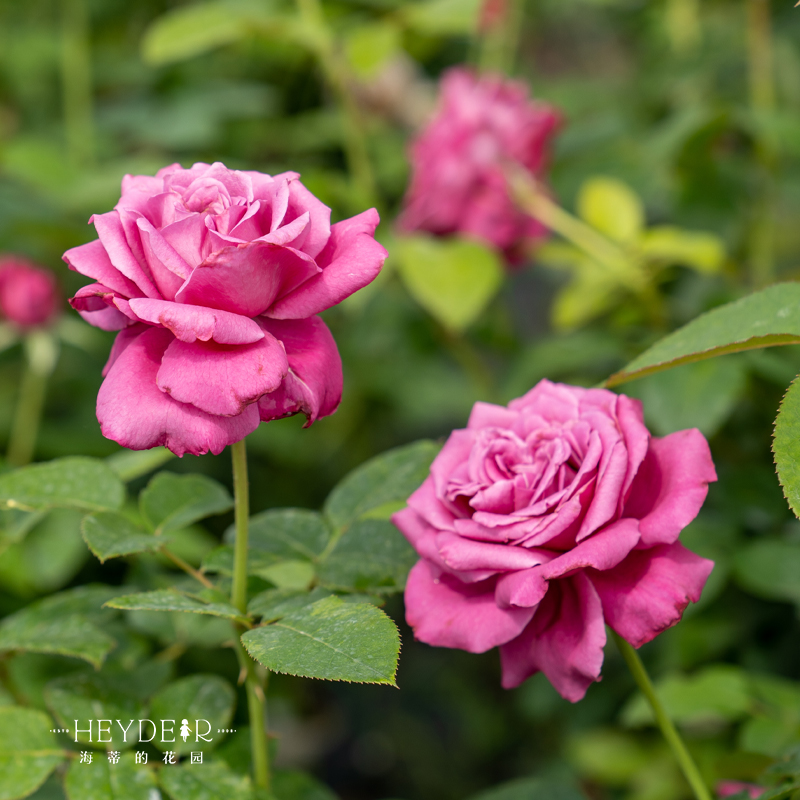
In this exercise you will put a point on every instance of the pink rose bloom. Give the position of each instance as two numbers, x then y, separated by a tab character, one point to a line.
728	788
457	183
213	278
545	521
28	294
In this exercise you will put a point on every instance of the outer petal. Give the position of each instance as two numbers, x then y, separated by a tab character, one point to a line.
125	337
190	323
649	590
564	640
467	554
133	411
445	612
670	486
93	303
313	385
246	279
92	261
351	259
109	229
221	379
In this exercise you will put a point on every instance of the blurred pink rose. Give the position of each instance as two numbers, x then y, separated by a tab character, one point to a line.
457	183
544	521
213	278
728	788
29	295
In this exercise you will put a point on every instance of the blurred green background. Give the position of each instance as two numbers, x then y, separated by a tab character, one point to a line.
693	106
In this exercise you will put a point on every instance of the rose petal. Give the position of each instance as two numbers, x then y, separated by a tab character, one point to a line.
445	612
95	304
112	235
221	379
467	554
92	261
648	591
524	588
313	384
351	259
246	279
564	640
602	551
670	486
190	323
133	411
169	270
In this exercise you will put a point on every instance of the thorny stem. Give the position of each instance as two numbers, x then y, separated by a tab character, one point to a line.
337	75
670	732
256	698
41	356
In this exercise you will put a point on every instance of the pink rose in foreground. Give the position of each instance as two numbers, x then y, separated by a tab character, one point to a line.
28	294
542	522
213	278
457	183
728	788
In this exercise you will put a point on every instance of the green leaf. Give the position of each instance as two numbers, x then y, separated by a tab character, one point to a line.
85	697
531	789
442	17
273	604
289	533
331	640
701	251
386	479
770	569
369	46
371	556
132	464
74	482
700	395
592	291
60	625
173	501
292	785
29	752
212	781
195	29
453	279
720	693
109	534
101	780
786	448
611	207
763	319
197	697
172	600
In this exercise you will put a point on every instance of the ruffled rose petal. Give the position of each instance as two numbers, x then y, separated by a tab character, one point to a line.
133	411
167	267
112	235
190	323
351	259
92	261
221	379
125	337
467	554
564	640
524	588
246	279
648	591
313	385
95	305
670	486
445	612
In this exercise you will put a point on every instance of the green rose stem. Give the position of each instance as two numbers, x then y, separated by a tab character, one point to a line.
762	101
321	42
41	355
623	266
498	45
256	697
76	79
687	765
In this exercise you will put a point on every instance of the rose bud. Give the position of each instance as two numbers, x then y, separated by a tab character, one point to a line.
29	295
543	522
214	278
458	182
